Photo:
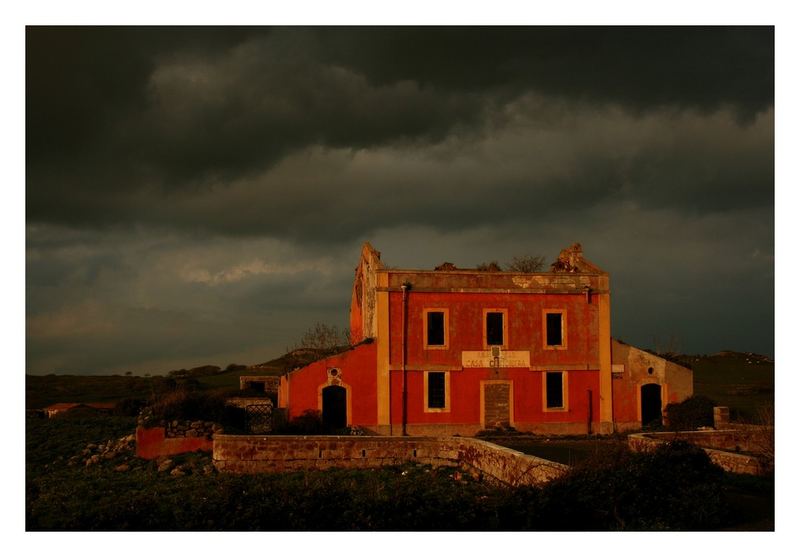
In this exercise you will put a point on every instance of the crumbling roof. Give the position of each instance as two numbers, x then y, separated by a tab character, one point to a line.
571	260
324	355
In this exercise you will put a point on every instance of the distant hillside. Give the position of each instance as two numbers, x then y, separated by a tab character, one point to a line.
43	390
744	381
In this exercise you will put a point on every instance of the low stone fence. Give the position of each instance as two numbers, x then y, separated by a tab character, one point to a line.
723	447
248	454
175	437
191	428
152	443
245	401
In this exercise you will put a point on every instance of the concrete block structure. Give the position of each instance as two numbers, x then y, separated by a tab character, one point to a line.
456	351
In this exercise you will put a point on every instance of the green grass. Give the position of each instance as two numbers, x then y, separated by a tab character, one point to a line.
565	451
678	490
729	380
43	390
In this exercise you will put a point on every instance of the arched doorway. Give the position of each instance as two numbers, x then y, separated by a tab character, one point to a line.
651	405
334	407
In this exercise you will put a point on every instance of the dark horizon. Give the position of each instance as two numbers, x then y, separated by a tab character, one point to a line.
199	195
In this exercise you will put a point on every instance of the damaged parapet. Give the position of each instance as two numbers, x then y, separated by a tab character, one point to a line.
362	306
571	260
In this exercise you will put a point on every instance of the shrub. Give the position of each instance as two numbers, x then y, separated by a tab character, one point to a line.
526	264
129	407
675	487
185	404
696	411
309	423
491	266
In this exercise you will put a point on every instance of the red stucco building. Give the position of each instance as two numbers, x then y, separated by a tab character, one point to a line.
446	351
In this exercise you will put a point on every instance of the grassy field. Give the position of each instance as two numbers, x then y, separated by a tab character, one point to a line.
743	382
565	451
610	490
596	496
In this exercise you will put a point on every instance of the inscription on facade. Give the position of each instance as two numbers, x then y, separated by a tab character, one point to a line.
507	358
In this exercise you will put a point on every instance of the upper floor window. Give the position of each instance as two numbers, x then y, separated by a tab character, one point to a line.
555	329
435	328
495	326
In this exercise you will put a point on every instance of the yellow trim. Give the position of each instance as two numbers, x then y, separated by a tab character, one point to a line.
604	338
382	349
504	311
348	399
564	392
446	313
563	345
485	382
446	392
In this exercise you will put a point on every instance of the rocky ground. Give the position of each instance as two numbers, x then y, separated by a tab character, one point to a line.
121	454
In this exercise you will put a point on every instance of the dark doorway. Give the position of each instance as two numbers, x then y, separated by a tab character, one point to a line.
651	405
334	407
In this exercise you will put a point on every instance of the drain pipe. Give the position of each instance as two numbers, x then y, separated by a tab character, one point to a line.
405	288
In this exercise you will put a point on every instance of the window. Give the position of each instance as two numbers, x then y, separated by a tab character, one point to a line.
435	328
437	397
555	330
436	390
554	389
494	332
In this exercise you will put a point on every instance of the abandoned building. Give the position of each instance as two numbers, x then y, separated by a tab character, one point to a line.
456	351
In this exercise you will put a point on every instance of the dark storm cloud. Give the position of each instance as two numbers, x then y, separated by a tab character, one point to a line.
121	119
199	195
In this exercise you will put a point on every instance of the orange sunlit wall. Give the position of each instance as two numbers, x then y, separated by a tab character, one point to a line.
357	372
524	331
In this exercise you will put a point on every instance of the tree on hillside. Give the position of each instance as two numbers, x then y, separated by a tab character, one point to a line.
324	337
526	264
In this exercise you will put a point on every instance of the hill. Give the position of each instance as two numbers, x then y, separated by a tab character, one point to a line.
743	381
43	390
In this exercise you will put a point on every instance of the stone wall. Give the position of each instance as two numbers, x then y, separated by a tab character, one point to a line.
271	383
152	442
244	401
255	454
191	428
726	448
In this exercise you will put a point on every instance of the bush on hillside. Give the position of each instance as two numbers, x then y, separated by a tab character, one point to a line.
675	487
696	411
309	423
129	407
187	404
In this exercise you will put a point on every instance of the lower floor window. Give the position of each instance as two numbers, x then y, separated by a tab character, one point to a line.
436	389
555	389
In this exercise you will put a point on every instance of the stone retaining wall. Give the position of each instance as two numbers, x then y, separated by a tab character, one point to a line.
152	442
721	446
191	428
248	454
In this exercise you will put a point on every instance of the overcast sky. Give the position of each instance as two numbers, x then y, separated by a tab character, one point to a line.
200	195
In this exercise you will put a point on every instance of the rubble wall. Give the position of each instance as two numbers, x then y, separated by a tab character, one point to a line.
256	454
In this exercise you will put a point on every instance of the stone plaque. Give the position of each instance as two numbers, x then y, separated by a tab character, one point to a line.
507	358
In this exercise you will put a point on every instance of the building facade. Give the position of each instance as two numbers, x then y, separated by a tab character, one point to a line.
457	351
